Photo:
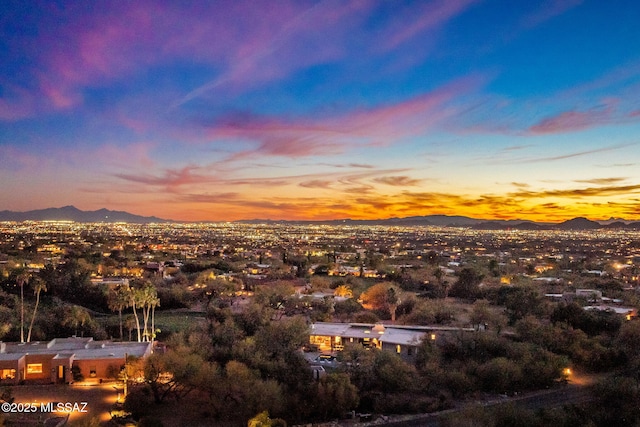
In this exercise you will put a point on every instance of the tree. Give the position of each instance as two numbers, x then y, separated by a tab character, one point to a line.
118	300
175	373
343	291
392	303
38	287
480	314
523	301
335	395
628	339
260	420
494	268
136	299
75	317
468	284
383	296
148	298
22	279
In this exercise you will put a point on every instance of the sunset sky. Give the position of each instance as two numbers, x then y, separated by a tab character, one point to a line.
230	110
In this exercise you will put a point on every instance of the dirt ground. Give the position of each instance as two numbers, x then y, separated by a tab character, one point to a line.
82	401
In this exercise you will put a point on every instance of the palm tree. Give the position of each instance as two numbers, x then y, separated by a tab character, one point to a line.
392	301
343	291
136	298
22	279
118	300
155	303
149	296
38	287
76	316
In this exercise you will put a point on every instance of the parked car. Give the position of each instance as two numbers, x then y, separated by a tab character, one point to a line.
326	358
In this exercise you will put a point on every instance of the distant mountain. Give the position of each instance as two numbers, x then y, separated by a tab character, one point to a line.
463	221
71	213
623	225
617	224
613	220
580	223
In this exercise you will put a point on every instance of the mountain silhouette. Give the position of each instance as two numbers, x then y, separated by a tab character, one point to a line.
71	213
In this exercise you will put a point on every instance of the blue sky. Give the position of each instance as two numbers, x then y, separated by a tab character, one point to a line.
322	109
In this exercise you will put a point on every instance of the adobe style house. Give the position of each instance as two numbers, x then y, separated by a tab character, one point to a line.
400	339
52	361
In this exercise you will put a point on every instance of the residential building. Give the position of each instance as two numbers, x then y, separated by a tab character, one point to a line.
52	361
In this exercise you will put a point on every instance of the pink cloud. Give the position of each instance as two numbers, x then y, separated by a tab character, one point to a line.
16	103
14	110
134	155
571	121
245	43
549	10
12	158
172	178
333	135
433	15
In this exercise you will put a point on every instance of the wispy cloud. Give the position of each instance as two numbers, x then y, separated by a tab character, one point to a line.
172	178
398	181
549	10
573	154
316	183
433	15
571	121
601	181
579	192
302	137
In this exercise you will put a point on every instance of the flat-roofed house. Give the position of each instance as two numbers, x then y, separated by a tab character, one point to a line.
400	339
10	366
52	361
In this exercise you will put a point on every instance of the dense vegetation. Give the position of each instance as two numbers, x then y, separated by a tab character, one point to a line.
238	355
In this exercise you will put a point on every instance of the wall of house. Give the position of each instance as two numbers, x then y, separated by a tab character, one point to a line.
406	352
98	368
38	367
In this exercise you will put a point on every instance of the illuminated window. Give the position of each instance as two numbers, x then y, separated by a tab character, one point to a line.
92	371
433	337
34	368
8	374
398	349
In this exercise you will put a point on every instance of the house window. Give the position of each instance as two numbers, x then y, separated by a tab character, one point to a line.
8	374
34	368
92	371
409	351
398	349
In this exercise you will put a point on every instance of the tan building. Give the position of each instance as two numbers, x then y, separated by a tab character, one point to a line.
52	361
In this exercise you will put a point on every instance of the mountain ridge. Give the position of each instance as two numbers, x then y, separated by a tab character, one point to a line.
71	213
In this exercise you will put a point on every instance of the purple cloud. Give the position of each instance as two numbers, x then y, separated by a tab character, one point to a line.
571	121
383	125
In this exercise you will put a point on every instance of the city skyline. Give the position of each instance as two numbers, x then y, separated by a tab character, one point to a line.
322	110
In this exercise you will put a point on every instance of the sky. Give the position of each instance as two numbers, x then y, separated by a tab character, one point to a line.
227	110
